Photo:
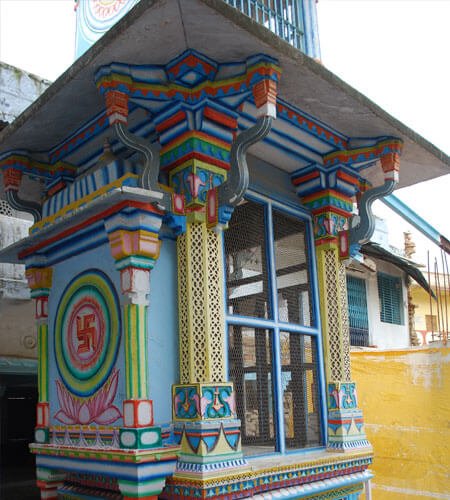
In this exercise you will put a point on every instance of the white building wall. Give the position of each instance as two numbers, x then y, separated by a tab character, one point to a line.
386	335
19	90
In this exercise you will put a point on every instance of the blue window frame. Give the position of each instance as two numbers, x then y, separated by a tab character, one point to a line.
274	346
357	311
391	301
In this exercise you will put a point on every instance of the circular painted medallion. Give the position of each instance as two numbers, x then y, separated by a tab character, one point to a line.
87	332
97	16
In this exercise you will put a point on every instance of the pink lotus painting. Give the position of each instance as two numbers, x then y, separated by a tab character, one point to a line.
97	409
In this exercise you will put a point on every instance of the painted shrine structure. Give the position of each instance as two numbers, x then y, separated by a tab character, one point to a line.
187	262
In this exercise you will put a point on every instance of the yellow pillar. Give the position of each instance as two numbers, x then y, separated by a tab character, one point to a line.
331	211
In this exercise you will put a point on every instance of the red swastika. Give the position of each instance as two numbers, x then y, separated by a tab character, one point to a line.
86	333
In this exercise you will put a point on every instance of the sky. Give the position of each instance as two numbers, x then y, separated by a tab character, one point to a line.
394	51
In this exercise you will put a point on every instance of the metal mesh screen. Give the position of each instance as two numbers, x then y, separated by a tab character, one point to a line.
250	369
300	390
292	274
246	271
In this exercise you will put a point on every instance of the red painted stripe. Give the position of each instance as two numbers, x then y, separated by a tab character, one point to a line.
197	156
304	178
170	122
220	118
112	210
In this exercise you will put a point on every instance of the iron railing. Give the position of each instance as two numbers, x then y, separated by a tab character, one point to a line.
282	17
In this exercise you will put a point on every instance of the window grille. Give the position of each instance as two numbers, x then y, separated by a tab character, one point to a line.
270	318
282	17
357	311
391	303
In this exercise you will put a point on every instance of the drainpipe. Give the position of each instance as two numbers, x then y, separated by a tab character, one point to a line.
233	190
149	177
363	231
365	226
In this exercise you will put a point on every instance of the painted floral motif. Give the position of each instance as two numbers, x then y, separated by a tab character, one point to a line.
96	409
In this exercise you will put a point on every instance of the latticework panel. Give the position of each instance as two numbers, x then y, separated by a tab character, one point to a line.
215	307
345	326
183	309
333	323
197	302
6	209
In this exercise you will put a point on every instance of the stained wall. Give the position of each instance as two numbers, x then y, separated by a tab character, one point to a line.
405	397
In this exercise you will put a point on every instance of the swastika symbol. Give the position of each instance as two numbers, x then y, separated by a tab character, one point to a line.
86	333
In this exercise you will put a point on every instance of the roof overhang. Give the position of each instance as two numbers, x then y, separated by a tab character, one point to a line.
156	31
377	251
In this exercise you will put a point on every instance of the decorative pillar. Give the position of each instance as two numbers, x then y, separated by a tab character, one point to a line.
197	153
204	411
331	206
40	282
135	252
328	191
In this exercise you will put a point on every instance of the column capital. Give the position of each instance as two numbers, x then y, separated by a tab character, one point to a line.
134	237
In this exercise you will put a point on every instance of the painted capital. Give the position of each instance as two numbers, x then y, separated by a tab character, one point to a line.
134	237
11	179
116	106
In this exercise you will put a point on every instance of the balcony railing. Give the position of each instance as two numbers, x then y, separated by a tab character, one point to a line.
282	17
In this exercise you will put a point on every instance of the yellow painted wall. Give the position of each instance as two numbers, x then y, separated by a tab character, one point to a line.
422	301
405	397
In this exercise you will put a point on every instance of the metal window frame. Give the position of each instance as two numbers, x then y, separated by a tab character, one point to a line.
388	280
275	326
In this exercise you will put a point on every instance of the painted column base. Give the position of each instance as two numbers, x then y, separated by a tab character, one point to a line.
345	419
208	446
346	430
210	453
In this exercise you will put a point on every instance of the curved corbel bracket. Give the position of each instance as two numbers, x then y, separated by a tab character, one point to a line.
149	177
18	203
363	231
233	190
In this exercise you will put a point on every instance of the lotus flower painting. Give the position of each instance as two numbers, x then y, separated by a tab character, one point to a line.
97	409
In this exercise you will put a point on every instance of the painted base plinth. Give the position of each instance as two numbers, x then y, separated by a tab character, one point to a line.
328	477
136	474
140	438
346	430
209	447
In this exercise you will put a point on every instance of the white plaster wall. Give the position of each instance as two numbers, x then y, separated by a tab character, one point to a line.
18	90
17	325
385	335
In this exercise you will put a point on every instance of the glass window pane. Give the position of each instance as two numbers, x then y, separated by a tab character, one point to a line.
291	263
300	390
251	371
246	271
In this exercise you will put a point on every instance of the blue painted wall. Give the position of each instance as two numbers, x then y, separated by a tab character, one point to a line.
162	327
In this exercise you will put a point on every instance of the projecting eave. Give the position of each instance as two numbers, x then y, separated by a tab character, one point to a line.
156	31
